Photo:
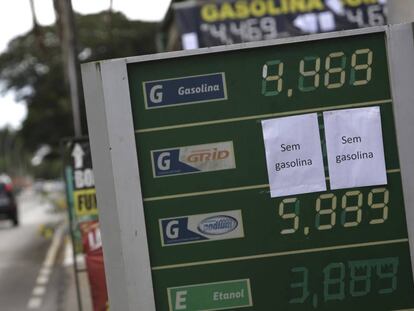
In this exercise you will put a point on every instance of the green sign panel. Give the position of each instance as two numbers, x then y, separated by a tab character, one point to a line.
204	177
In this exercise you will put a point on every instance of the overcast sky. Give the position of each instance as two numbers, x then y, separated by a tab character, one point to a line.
15	19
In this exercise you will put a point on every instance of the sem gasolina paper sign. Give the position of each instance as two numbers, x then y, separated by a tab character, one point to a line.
294	155
355	147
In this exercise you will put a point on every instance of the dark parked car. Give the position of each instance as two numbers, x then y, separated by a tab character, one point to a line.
8	206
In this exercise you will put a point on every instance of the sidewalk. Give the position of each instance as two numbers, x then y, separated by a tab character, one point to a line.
70	298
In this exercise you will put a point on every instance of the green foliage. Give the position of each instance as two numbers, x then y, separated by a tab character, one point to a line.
13	159
51	168
111	35
32	67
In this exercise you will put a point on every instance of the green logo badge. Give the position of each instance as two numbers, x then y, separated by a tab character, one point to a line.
211	296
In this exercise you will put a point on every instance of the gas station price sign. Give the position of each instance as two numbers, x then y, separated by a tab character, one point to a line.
220	233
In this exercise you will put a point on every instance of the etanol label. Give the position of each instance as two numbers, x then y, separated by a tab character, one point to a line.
201	228
355	147
193	159
185	90
211	296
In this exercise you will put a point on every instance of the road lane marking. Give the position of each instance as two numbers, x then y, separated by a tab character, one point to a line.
68	255
45	271
54	247
42	280
36	301
38	291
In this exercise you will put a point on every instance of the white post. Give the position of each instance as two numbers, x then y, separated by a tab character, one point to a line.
400	11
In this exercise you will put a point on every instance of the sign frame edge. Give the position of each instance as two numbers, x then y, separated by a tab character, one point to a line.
121	210
104	80
401	72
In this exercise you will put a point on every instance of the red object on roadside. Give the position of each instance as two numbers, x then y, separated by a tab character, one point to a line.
8	187
92	245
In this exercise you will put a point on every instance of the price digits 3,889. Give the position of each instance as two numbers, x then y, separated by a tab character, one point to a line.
333	75
360	278
326	210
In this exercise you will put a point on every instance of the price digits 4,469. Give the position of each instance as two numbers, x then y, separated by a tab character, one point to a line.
327	211
356	278
314	72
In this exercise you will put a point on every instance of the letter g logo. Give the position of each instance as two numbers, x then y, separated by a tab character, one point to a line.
163	161
172	229
156	94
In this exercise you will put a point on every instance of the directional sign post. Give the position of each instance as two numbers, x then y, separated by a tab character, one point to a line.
229	178
83	215
80	185
77	155
77	161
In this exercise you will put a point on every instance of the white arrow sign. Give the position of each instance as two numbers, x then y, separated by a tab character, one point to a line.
77	155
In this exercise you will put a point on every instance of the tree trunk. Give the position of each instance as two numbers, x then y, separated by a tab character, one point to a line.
36	28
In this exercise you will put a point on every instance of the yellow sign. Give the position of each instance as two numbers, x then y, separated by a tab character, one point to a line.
85	202
242	9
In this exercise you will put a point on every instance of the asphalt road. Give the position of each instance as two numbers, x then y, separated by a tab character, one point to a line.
30	279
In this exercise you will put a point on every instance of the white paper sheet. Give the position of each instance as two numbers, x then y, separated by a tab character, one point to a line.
293	155
327	21
355	147
307	22
189	41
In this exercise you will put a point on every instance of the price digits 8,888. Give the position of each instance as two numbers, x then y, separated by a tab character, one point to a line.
328	208
314	72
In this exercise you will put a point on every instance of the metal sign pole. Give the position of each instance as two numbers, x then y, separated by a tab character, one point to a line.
68	183
401	61
125	246
400	11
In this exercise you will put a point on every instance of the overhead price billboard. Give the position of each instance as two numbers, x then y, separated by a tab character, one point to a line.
286	193
221	22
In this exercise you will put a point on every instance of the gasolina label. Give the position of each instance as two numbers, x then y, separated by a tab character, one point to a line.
211	296
193	159
185	90
201	228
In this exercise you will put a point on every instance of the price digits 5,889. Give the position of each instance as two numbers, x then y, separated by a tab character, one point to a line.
327	211
333	75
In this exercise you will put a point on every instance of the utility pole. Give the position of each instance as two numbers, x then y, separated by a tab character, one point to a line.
66	22
400	11
34	18
36	28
